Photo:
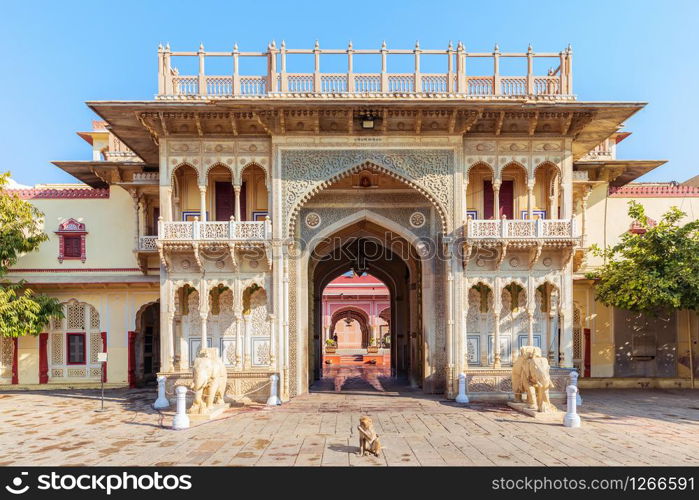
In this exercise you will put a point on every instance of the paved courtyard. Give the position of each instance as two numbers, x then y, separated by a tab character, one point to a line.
619	428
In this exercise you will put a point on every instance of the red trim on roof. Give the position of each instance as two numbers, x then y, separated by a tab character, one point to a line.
650	190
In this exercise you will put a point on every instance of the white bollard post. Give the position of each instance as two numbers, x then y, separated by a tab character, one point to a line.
162	401
181	420
273	399
571	419
462	398
574	381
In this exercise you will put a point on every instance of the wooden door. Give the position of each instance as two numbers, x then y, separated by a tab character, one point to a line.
224	201
488	200
507	199
244	201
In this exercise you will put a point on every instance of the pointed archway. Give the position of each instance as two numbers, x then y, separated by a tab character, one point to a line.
368	247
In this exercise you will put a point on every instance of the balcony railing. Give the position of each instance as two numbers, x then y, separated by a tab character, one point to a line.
147	244
557	83
215	231
521	229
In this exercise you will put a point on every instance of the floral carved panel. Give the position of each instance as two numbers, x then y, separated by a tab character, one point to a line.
304	172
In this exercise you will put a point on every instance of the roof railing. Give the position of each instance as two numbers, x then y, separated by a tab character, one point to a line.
279	82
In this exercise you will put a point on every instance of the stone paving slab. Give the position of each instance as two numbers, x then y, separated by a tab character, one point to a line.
620	427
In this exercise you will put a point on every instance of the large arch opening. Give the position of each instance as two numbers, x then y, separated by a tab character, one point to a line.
146	345
368	250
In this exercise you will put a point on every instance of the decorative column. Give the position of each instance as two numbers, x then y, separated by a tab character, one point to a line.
496	340
202	204
530	338
236	189
497	303
239	338
583	215
496	199
137	217
167	313
530	200
203	311
451	372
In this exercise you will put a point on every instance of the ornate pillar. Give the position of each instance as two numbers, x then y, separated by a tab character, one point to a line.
496	340
247	344
496	200
530	201
530	338
236	189
203	311
167	313
137	217
497	303
583	215
165	195
202	204
450	329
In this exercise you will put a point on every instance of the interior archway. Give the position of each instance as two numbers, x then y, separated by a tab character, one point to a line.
147	344
366	247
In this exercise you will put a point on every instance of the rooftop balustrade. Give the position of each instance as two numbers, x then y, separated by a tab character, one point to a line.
278	82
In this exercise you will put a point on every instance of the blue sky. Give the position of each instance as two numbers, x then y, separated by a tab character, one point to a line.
59	54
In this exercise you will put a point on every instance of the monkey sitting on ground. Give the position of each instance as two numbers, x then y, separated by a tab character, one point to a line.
368	439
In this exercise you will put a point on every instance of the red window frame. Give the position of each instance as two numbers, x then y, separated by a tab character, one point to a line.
71	227
81	334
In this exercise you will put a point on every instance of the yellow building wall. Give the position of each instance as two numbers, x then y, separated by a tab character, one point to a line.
110	223
117	309
606	221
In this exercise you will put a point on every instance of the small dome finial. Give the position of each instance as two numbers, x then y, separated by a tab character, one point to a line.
349	45
317	45
417	44
497	48
383	45
201	47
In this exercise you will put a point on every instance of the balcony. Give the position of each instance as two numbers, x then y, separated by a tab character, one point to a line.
216	231
453	81
522	230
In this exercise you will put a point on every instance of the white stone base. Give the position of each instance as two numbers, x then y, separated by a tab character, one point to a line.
555	415
215	412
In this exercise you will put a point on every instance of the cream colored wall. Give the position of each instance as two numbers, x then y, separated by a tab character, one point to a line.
607	220
117	309
607	217
110	224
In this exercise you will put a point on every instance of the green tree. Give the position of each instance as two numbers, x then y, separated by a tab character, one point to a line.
22	312
653	271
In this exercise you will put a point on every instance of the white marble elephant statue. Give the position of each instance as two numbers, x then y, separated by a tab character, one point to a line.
530	376
209	380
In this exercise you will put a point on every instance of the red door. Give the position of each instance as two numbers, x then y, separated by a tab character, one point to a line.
586	361
15	367
43	358
243	202
132	359
488	200
104	349
224	200
507	199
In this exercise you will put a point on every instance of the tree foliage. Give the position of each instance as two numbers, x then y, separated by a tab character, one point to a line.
653	271
22	312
